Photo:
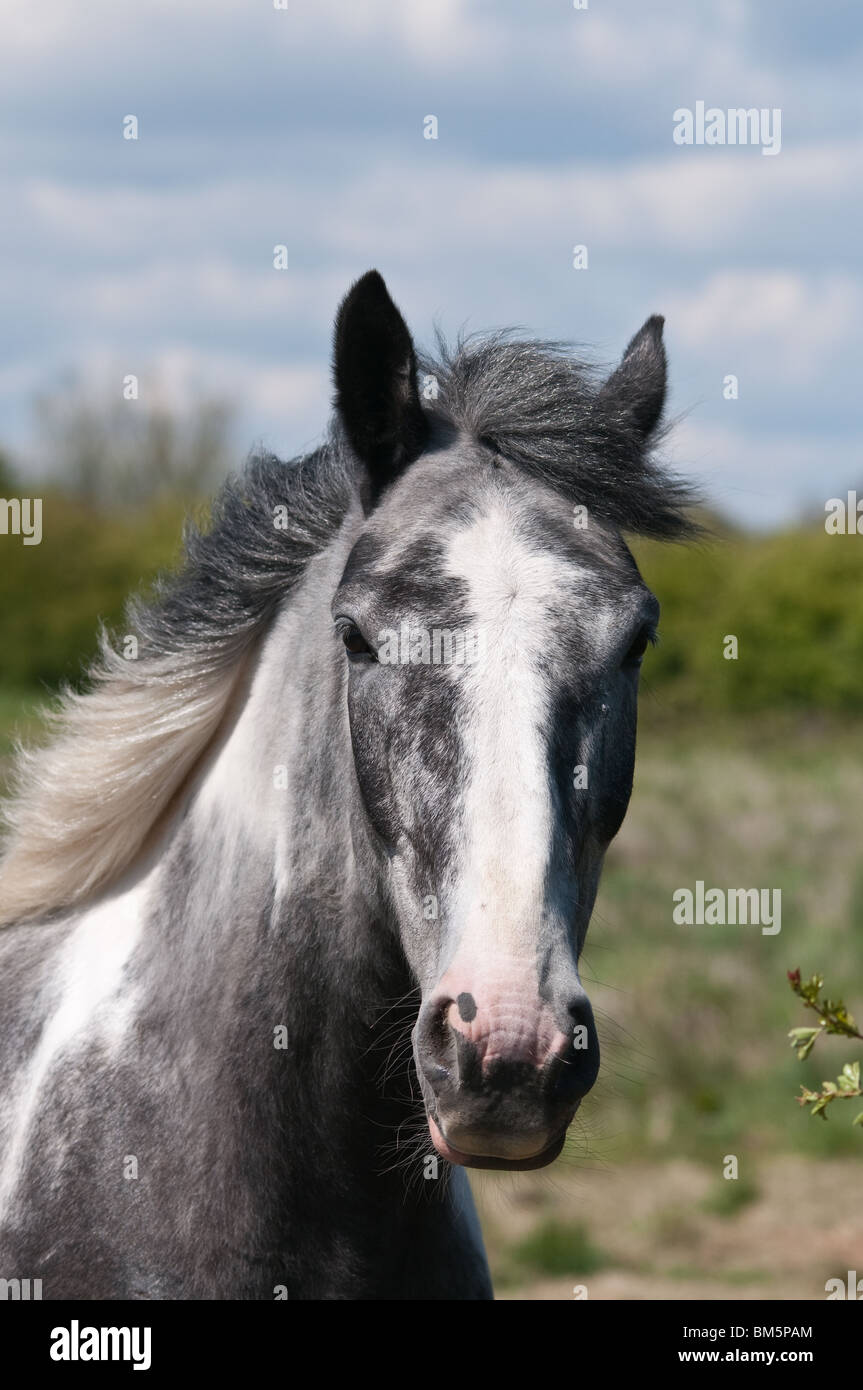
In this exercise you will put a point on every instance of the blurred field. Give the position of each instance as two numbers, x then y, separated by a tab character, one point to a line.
749	774
673	1230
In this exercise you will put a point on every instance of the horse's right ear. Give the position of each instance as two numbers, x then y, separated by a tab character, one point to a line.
375	371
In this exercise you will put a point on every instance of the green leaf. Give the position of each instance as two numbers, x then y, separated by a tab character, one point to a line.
812	988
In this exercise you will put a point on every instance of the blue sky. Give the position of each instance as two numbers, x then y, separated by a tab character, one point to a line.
305	127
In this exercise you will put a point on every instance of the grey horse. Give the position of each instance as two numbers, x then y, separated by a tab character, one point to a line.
294	896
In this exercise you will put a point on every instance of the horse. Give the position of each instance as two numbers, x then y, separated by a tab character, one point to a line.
294	895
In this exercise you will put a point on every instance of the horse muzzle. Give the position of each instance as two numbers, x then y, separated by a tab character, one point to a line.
503	1077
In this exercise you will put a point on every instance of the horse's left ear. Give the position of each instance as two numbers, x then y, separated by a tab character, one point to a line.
636	390
375	371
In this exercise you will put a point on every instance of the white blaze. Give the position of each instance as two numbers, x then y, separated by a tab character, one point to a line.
507	802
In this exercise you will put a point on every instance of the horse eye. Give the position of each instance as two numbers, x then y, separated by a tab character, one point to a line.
638	648
355	643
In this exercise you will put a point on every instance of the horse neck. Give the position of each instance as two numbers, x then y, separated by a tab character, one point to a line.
267	916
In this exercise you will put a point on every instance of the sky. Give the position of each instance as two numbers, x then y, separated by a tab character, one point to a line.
304	127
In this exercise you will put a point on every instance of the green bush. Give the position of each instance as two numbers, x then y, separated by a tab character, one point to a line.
794	601
53	595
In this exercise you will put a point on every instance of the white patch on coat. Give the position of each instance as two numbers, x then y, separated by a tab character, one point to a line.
96	1002
236	786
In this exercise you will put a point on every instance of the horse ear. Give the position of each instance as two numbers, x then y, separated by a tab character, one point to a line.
375	371
636	390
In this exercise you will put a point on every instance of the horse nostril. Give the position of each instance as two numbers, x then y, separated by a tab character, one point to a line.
435	1039
575	1068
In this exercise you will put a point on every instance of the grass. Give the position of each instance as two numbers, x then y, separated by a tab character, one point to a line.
734	1277
656	1232
555	1248
731	1195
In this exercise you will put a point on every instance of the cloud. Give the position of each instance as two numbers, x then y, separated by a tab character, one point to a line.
767	481
304	127
798	320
